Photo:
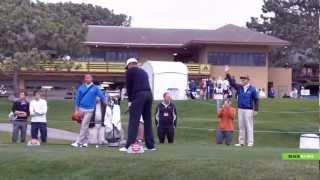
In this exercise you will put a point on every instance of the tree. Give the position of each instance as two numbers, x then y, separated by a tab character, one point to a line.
296	21
29	28
93	15
61	31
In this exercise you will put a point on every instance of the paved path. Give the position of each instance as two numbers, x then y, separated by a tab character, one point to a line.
52	133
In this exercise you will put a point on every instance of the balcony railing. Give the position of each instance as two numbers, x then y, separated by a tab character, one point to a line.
110	67
312	77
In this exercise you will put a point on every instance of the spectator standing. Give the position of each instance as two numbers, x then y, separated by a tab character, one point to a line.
271	93
294	93
248	103
218	93
21	111
166	119
38	113
85	103
193	89
203	88
262	93
209	89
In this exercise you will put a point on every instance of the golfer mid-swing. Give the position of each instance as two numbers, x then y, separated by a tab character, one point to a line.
248	99
140	102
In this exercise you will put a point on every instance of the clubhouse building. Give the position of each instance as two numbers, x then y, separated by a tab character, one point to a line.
205	52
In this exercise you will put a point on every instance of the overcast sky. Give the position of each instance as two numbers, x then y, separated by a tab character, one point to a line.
196	14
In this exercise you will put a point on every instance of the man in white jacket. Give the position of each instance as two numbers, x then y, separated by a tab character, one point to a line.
38	113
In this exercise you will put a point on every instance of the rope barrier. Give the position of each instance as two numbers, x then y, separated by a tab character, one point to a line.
259	131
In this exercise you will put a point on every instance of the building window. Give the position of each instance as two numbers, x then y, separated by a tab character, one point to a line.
95	55
237	58
120	56
109	56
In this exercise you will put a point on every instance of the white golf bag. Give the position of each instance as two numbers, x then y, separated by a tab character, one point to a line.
114	134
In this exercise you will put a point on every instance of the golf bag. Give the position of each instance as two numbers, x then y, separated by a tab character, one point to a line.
114	134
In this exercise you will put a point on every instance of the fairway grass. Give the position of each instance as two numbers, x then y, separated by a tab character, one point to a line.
184	161
194	155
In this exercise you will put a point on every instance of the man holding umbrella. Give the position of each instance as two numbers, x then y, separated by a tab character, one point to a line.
140	102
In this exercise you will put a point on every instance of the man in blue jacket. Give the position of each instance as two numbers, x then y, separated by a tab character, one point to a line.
85	103
248	104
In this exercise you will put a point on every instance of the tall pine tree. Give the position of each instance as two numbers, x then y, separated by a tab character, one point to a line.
28	27
296	21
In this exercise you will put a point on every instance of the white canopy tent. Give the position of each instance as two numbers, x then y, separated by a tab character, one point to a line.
167	76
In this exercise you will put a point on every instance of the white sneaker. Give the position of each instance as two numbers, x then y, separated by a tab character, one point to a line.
250	145
238	145
75	144
123	149
85	145
146	149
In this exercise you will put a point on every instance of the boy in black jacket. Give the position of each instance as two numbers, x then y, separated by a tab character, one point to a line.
166	119
21	111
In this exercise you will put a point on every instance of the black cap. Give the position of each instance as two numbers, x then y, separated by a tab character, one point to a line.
245	77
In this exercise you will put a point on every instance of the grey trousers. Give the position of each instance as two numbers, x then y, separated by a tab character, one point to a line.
84	129
19	127
245	117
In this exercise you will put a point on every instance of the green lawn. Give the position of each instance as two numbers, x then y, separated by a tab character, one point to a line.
193	156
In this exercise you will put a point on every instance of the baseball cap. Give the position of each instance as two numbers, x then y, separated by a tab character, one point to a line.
245	77
131	60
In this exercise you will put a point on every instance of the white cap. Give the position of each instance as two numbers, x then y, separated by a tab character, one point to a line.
131	60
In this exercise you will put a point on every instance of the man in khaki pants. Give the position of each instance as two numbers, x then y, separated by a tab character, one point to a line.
248	99
85	104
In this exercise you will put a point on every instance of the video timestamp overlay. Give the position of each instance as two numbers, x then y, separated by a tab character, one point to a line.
315	156
300	156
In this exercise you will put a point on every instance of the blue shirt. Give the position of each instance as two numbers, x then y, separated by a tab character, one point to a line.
193	86
88	101
246	99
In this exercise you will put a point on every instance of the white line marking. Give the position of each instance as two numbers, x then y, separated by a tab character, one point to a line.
256	131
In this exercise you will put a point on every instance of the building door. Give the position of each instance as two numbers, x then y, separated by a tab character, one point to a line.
183	57
189	55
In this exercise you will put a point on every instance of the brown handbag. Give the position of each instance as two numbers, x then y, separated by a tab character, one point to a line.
77	116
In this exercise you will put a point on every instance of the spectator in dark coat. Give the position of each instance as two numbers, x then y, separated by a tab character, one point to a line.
166	119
